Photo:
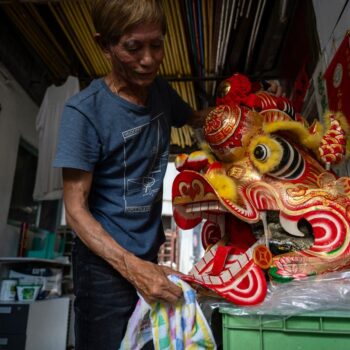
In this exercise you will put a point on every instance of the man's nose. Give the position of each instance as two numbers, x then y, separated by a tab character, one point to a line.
147	57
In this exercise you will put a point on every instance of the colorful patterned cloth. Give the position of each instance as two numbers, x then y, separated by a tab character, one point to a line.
173	327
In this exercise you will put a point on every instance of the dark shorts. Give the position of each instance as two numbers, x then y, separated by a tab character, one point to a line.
104	301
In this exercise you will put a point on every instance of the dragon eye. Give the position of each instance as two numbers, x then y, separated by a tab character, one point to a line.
261	152
265	153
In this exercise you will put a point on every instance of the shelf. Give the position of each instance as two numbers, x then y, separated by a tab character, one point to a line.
18	260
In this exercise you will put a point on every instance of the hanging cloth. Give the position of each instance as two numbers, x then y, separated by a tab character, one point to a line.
172	327
48	182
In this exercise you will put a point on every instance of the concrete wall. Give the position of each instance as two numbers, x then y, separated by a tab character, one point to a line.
17	119
332	24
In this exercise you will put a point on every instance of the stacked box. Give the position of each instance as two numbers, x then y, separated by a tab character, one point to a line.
311	331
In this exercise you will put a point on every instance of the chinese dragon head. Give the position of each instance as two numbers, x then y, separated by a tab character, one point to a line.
271	206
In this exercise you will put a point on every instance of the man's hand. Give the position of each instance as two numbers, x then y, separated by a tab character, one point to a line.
151	280
197	119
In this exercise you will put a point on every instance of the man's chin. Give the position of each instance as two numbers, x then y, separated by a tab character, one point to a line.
144	83
145	78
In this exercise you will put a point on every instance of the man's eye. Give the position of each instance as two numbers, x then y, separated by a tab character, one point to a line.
157	45
131	46
132	49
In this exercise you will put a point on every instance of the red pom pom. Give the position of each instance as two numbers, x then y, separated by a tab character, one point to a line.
233	90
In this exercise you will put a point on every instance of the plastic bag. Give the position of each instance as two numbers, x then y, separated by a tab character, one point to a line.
324	292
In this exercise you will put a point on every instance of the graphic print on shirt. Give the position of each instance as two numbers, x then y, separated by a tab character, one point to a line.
144	165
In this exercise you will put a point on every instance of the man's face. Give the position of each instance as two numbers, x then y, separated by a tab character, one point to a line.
137	56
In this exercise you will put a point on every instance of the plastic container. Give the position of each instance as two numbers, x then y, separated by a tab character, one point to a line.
28	292
8	289
311	331
43	245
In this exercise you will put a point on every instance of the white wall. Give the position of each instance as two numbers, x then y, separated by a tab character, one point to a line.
17	119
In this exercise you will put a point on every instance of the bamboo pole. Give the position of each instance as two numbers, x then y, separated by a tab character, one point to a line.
187	68
72	12
172	41
205	41
229	28
182	39
55	12
76	33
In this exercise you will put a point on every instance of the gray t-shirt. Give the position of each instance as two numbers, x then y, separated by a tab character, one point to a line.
126	147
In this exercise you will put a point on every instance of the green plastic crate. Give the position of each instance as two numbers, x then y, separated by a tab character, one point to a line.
312	331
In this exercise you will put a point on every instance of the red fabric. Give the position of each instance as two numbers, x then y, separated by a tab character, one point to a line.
220	259
337	78
240	89
301	85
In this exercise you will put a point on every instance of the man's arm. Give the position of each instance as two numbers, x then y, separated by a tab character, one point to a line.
149	279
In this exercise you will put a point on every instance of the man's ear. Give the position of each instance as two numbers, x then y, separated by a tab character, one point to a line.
103	45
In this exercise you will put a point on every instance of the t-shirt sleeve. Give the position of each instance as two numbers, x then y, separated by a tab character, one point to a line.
78	142
181	111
